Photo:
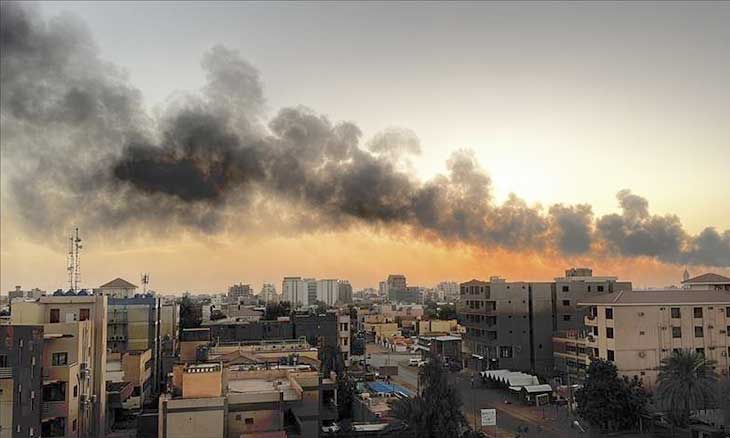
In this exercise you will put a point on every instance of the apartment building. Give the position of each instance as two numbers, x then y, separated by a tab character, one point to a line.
134	325
296	291
239	292
636	330
74	361
328	291
395	287
117	288
707	281
21	381
344	294
268	294
343	337
210	400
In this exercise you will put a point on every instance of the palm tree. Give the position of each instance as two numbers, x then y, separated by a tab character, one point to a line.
686	382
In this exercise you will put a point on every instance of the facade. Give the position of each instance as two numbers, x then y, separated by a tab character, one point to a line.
328	291
319	330
295	291
239	292
448	291
21	380
239	331
636	330
396	287
134	325
117	288
707	281
268	294
343	337
344	294
74	361
311	291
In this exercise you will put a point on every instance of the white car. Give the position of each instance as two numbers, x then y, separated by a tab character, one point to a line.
332	428
413	362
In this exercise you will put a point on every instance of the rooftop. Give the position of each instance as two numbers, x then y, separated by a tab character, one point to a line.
668	296
118	283
708	278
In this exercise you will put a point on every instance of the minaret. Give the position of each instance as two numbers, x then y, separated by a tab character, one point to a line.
685	276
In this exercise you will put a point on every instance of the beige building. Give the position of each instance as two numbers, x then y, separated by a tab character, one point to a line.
117	288
74	361
636	330
707	281
343	337
437	326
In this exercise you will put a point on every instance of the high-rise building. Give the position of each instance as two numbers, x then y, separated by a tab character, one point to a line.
328	291
311	291
636	330
21	381
344	295
268	294
343	336
74	361
383	288
448	290
396	287
511	324
239	292
295	291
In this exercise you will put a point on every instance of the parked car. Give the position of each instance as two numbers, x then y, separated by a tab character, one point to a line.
414	361
332	428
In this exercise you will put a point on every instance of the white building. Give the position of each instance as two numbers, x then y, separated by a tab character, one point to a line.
295	291
328	291
268	293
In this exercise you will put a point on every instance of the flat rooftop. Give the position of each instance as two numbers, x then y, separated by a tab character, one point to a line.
252	386
658	297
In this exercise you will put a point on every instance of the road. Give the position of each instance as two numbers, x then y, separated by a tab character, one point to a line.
552	422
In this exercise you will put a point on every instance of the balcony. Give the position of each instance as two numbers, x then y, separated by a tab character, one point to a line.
54	409
6	373
590	320
592	341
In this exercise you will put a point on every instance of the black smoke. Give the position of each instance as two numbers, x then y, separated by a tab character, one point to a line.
79	148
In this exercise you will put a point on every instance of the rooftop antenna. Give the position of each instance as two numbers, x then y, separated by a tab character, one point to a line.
73	265
145	282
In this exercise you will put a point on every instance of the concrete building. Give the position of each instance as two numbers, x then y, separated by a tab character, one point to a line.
320	330
448	291
707	281
343	336
117	288
295	291
74	361
344	294
208	401
395	287
239	331
636	330
268	294
328	291
311	291
19	294
383	288
134	325
21	381
134	368
239	292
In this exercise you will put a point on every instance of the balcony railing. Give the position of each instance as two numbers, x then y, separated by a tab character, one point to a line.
53	409
6	373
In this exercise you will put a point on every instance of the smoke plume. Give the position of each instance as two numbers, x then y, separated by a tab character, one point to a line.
79	148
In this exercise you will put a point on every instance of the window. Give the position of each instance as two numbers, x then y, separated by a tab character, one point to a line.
697	312
566	288
609	313
589	288
505	352
676	332
609	332
610	356
59	359
76	391
238	418
55	315
727	312
84	315
676	313
566	302
727	330
73	426
699	332
4	361
566	317
249	420
599	288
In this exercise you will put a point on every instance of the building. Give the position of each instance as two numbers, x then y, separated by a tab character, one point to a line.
344	294
320	330
311	291
21	381
636	330
296	291
134	325
328	291
170	323
268	294
343	336
240	331
133	368
117	288
239	292
448	291
207	401
74	361
19	294
707	281
395	287
383	288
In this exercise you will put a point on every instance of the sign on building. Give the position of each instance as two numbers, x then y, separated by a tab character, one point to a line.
489	417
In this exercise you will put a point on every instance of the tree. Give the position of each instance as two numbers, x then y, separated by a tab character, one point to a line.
447	311
686	382
609	401
723	399
436	411
275	310
191	314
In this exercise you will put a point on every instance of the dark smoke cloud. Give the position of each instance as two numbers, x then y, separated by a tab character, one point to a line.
78	148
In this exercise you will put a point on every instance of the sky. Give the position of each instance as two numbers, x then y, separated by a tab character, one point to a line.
558	103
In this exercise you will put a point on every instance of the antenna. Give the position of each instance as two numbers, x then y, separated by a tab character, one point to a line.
145	282
73	265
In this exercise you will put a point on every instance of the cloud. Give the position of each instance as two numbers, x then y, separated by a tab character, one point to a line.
78	148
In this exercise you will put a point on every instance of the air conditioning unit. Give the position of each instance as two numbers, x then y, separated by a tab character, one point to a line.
724	353
642	354
641	313
710	327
